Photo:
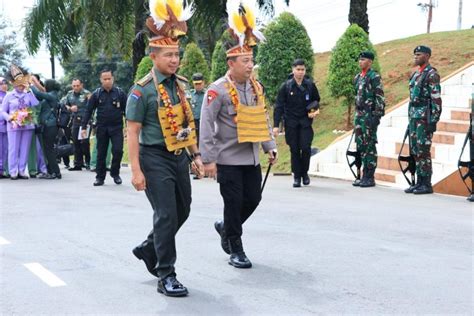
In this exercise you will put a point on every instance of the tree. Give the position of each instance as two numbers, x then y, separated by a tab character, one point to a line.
358	14
9	51
344	65
81	66
193	61
144	67
287	40
108	26
218	64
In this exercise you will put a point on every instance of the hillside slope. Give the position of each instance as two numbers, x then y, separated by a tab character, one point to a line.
451	50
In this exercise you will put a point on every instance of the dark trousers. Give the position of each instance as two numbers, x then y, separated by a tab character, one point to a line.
104	134
64	138
82	152
299	139
168	189
49	137
196	123
240	190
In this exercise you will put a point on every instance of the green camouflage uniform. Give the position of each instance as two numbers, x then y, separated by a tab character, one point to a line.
370	107
424	111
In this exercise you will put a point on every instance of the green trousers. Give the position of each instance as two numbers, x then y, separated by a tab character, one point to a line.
94	154
168	189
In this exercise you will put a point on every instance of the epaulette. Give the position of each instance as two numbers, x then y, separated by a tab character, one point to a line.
182	78
143	81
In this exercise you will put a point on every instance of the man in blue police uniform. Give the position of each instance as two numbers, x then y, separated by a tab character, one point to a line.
110	102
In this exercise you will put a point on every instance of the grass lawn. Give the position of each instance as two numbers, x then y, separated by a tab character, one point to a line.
451	50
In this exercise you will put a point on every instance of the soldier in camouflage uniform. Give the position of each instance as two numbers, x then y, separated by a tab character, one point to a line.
370	107
424	111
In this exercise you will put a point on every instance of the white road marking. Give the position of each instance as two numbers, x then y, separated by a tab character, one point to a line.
3	241
45	275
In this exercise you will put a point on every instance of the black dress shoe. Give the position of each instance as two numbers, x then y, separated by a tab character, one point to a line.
58	176
240	260
219	226
306	180
150	262
46	176
32	176
297	183
117	180
14	178
170	286
75	168
98	182
23	177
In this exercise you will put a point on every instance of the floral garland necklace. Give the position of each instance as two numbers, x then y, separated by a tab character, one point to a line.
181	134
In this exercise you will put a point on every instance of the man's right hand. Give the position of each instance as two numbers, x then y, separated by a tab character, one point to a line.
73	108
210	170
84	133
138	180
276	131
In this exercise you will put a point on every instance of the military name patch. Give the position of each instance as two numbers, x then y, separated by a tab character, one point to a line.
211	96
136	94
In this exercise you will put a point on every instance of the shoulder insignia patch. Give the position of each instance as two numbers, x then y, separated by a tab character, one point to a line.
211	96
182	78
143	81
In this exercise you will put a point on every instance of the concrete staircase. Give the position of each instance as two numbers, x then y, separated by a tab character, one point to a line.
456	92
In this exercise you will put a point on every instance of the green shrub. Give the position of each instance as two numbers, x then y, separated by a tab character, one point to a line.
344	64
286	40
194	61
143	68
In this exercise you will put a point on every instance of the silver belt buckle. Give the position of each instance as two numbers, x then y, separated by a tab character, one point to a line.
178	152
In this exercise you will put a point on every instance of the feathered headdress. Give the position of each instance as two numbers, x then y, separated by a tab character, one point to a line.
167	21
19	77
243	26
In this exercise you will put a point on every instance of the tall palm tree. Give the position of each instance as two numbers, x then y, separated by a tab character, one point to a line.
105	25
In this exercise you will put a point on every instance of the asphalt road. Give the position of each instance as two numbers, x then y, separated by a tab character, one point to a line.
324	249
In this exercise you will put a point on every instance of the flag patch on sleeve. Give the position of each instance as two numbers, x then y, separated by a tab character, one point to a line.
136	94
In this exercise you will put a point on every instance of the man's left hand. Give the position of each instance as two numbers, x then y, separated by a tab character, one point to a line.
272	157
197	167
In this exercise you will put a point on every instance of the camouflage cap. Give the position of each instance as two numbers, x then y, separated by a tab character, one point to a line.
422	49
367	54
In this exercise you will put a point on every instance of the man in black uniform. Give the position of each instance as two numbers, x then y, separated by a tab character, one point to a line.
110	102
298	103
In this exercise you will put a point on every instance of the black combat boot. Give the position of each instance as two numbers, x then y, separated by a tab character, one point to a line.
369	180
425	186
363	179
297	182
306	179
238	258
412	187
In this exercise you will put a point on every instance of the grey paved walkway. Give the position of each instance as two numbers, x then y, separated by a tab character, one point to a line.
325	249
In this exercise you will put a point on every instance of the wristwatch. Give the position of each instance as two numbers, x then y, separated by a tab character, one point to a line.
196	154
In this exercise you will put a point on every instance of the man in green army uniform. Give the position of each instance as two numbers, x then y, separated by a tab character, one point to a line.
76	103
369	108
424	111
197	97
160	127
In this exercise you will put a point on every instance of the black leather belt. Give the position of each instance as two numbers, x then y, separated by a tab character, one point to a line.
176	152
